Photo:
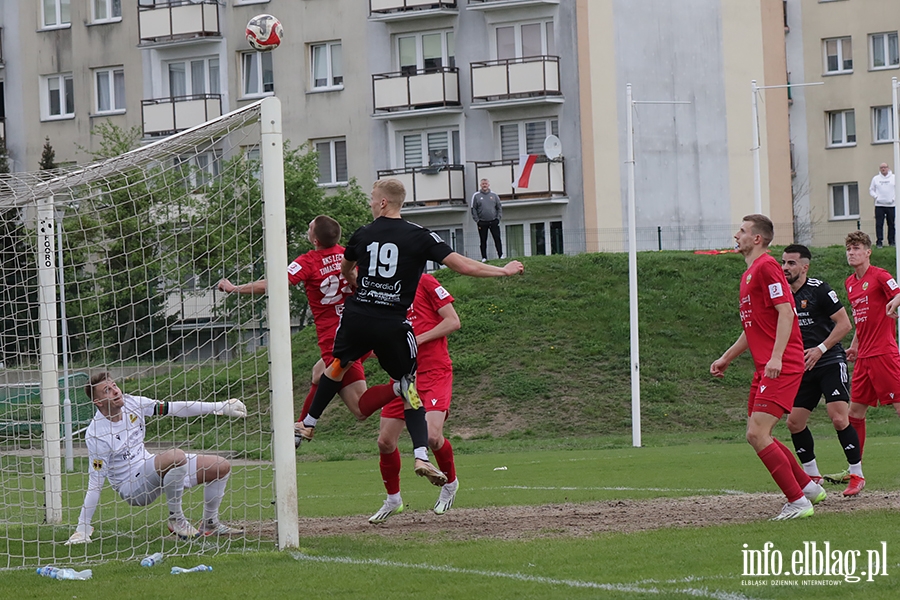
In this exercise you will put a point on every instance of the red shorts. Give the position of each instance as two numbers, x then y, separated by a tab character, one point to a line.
876	379
435	388
773	396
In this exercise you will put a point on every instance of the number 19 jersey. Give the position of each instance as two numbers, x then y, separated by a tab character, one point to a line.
326	290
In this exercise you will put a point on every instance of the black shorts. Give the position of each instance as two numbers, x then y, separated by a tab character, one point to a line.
829	381
391	338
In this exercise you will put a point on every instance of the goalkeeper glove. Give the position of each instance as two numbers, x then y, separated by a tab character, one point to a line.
233	408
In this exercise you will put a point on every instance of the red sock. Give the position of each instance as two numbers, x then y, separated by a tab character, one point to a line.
444	457
390	471
860	426
800	475
780	468
376	397
308	402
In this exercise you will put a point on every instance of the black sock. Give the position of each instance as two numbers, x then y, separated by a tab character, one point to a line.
417	427
803	445
327	389
850	443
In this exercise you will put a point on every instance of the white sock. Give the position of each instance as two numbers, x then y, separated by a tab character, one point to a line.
811	469
394	498
421	453
810	487
173	488
213	492
856	469
310	421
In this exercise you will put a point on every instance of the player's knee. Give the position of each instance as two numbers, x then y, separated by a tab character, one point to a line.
386	445
435	441
795	425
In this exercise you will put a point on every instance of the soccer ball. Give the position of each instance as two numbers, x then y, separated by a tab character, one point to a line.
264	32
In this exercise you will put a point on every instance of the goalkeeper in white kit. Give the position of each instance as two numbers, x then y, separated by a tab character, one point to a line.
115	442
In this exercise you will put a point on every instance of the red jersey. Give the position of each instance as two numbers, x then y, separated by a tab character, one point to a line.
763	287
876	333
326	289
423	314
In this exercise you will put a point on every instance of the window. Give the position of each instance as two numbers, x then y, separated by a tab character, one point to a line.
199	170
426	51
538	242
332	161
838	55
110	88
883	50
525	137
327	68
430	148
522	40
57	97
203	78
257	73
107	10
844	200
882	124
842	128
56	13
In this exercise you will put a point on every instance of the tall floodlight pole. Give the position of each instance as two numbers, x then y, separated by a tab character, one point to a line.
632	265
754	149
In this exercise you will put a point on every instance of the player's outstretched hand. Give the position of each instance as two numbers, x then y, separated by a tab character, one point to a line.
81	536
234	408
514	267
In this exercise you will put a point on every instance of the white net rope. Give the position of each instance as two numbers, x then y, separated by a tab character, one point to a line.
145	237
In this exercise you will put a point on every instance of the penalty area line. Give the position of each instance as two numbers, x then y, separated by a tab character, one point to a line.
573	583
620	489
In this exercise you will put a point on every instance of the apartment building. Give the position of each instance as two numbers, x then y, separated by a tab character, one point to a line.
842	130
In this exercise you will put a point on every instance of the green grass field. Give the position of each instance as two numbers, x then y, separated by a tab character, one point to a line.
541	388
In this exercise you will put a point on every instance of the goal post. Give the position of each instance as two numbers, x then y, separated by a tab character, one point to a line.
134	246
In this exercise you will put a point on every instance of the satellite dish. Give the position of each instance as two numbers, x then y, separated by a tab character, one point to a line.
552	147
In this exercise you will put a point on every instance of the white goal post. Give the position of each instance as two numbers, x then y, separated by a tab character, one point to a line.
145	236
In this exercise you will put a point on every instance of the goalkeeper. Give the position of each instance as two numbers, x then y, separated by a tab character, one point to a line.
115	442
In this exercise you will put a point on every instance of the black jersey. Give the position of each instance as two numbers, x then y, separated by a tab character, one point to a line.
816	303
391	255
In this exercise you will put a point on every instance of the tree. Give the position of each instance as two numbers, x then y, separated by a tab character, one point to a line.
48	156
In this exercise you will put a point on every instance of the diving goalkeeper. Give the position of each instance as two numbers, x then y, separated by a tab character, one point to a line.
115	442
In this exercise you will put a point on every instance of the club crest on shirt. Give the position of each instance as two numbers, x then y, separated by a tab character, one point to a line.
865	286
775	290
749	276
132	417
98	464
803	304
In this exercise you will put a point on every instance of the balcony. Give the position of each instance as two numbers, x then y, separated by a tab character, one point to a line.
178	21
548	178
431	186
487	5
165	116
515	81
416	91
397	10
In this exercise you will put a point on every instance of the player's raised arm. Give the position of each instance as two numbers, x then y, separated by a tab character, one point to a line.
467	266
229	408
256	287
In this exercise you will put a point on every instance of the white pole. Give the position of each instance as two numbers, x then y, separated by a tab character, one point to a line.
49	362
896	137
280	370
64	330
757	184
632	275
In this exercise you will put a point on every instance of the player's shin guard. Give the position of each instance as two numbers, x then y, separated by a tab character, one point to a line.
850	442
804	445
390	471
780	468
327	389
860	426
801	476
417	427
444	458
376	397
173	488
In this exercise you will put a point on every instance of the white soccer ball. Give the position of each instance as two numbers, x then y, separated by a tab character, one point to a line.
264	32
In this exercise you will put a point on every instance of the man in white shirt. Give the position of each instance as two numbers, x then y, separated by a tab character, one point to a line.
115	442
882	190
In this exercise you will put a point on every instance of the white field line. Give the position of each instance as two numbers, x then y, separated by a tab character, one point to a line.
690	491
573	583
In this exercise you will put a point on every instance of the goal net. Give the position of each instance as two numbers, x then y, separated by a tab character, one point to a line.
113	267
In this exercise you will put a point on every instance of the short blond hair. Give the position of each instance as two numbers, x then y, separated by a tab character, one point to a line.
393	191
858	237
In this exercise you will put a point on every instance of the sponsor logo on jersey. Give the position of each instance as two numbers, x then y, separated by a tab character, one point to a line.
892	284
775	290
833	297
294	268
441	292
98	464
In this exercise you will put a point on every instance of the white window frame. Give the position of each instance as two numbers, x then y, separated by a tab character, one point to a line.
331	84
884	40
846	193
527	247
551	127
109	6
882	112
259	58
61	79
210	82
332	181
448	60
841	70
830	117
110	74
58	22
548	39
199	176
453	146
